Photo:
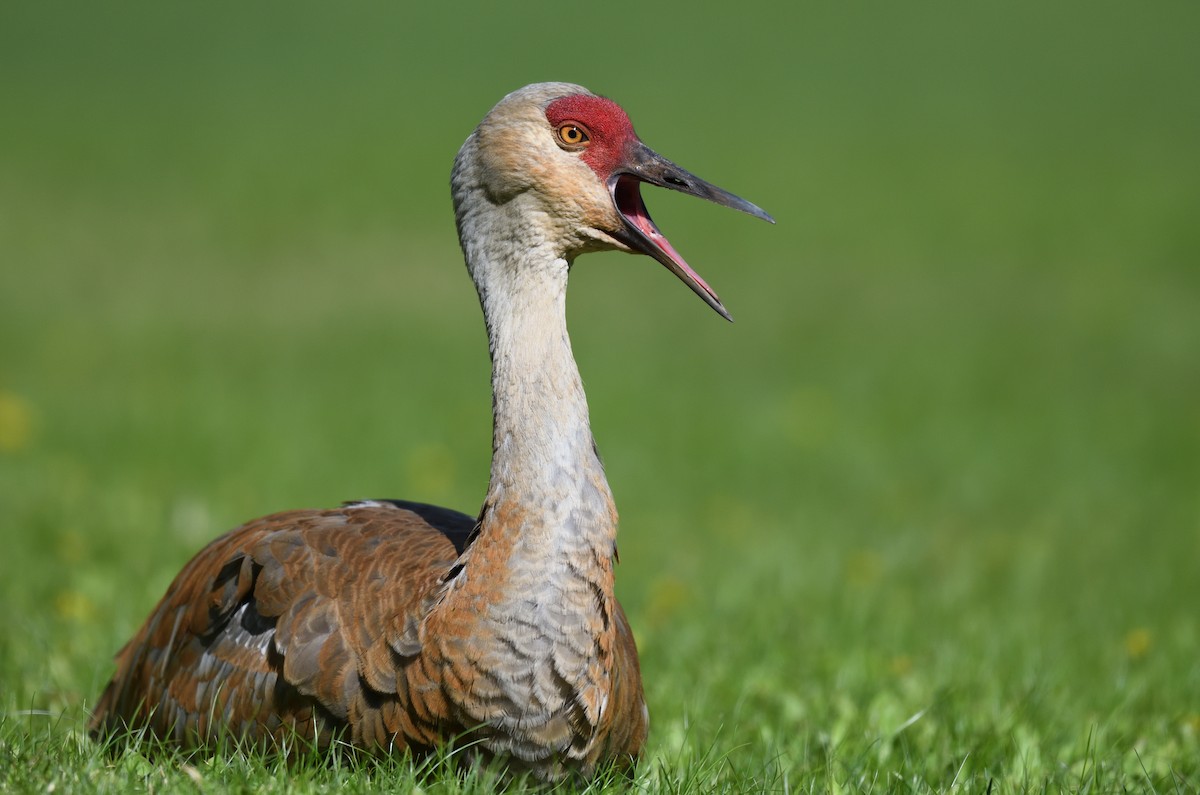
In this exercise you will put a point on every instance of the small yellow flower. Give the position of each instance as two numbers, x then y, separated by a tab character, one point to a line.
74	605
16	422
1137	643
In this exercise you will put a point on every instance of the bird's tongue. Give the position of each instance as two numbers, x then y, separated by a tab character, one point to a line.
629	203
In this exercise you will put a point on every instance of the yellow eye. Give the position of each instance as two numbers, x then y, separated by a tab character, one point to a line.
573	134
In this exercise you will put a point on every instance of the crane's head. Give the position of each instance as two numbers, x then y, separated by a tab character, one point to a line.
576	157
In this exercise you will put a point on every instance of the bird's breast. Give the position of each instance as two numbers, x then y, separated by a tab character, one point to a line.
524	640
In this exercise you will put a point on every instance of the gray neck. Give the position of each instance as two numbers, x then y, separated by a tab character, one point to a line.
544	462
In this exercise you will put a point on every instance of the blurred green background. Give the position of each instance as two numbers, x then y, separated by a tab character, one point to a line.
946	462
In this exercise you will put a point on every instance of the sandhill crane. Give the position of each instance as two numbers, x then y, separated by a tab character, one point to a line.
395	625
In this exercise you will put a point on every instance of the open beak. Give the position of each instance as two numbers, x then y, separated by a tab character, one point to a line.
643	164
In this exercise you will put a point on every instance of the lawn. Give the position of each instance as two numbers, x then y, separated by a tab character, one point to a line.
926	517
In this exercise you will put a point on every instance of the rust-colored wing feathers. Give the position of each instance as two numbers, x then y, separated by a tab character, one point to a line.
292	625
626	720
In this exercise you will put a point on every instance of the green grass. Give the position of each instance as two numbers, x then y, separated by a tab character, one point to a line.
925	518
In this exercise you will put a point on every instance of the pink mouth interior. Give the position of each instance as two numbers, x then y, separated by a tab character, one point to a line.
628	197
